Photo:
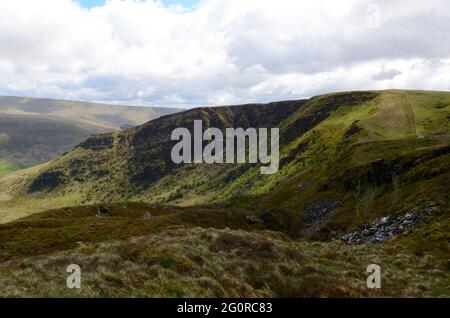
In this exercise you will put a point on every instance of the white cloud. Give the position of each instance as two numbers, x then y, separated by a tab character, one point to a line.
222	51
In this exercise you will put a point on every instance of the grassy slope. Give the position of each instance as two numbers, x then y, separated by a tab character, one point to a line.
196	252
224	263
385	132
31	140
7	168
186	251
107	117
33	131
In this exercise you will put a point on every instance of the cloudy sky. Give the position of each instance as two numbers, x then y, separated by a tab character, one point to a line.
189	53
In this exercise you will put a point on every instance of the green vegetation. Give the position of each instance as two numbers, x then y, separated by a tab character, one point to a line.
107	117
33	131
199	262
7	168
230	231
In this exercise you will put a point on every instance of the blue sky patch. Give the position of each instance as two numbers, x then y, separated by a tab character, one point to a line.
91	3
95	3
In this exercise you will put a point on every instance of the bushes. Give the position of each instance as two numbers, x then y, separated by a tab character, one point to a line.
175	196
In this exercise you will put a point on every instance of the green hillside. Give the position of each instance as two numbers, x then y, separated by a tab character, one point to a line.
355	167
107	117
33	131
7	168
30	140
339	131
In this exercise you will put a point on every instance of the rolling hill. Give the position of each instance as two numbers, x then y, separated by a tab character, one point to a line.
342	132
34	131
30	140
356	168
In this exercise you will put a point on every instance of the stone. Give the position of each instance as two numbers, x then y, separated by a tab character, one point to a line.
251	219
148	216
302	186
321	209
381	229
102	211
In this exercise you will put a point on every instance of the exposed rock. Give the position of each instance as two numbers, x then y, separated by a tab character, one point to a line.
379	172
251	219
97	142
103	211
315	214
431	209
165	208
302	186
294	153
49	180
353	130
381	229
148	216
320	209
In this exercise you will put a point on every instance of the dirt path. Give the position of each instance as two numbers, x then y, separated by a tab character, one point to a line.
411	117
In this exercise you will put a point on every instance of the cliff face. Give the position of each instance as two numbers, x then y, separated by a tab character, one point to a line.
143	154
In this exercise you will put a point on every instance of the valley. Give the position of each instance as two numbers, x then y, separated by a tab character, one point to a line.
34	131
354	168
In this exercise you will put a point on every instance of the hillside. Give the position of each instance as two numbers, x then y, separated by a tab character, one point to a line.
320	138
30	140
108	117
34	131
211	262
356	168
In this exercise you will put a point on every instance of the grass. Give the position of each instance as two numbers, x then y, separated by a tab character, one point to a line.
33	131
106	117
199	262
7	168
61	229
312	156
209	251
241	234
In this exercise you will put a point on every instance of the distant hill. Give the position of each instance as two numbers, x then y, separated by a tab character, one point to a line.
364	177
326	141
342	125
34	130
28	140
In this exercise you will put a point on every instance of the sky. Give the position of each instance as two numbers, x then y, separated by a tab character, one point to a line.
96	3
190	53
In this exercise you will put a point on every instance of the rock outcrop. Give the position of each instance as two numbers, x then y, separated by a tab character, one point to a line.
382	229
317	213
47	181
320	209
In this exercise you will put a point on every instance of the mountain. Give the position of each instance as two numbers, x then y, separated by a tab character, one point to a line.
34	131
364	177
342	132
30	140
108	117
